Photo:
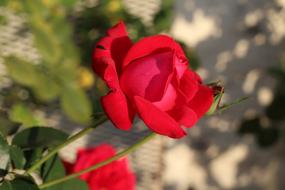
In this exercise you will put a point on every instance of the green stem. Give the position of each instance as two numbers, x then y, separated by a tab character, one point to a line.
65	143
100	164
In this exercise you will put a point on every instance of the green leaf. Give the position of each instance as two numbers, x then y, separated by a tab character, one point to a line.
76	104
3	20
68	3
21	71
37	77
57	3
23	184
7	127
70	184
6	185
75	184
46	42
215	104
46	87
50	29
54	169
22	114
17	157
39	137
4	153
32	156
3	2
51	170
66	73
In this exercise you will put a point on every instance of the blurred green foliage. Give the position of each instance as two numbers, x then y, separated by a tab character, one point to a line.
3	20
7	126
56	76
4	153
21	113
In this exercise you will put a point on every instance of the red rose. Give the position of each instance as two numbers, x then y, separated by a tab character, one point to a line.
149	78
114	176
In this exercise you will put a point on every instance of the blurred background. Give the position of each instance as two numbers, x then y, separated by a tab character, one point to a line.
46	79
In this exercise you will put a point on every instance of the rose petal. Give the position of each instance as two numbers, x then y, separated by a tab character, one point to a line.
115	175
148	76
110	52
157	120
127	178
117	109
181	65
168	100
202	100
105	68
189	84
68	167
151	45
184	116
118	30
90	156
197	77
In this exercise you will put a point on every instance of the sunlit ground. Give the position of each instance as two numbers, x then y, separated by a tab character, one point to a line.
237	42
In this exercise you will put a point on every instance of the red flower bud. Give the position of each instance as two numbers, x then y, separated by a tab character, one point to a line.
149	78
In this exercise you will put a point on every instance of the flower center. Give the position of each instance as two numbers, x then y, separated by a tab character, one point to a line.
148	77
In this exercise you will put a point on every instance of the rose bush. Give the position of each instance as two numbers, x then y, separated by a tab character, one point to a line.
114	176
150	78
